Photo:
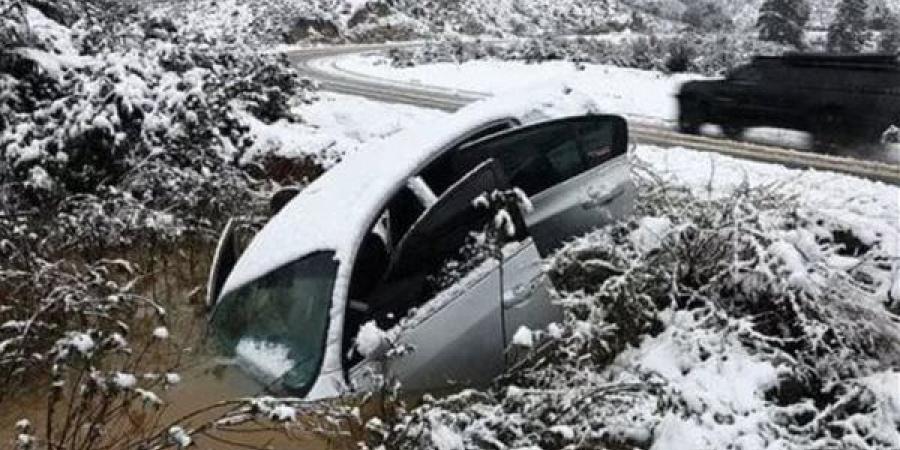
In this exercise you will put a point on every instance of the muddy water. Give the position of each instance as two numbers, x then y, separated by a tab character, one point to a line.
204	381
203	385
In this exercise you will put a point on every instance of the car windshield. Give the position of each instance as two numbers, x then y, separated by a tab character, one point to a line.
275	326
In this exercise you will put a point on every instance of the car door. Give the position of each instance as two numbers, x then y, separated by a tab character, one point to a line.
527	301
574	171
599	195
456	336
743	98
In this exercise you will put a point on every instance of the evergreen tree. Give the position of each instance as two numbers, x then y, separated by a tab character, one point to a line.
847	34
782	21
890	37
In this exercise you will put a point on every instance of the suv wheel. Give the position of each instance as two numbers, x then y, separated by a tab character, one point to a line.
733	132
691	116
830	127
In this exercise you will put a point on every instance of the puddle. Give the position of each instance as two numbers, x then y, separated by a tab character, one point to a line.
203	385
204	381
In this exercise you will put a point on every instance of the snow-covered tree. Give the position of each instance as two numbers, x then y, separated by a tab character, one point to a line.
782	21
890	36
706	16
847	34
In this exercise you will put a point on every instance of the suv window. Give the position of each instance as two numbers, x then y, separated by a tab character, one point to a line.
746	73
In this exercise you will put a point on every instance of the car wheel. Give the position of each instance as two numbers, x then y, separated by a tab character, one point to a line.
691	117
733	132
830	128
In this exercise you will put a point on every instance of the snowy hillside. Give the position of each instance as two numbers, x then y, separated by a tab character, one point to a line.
278	21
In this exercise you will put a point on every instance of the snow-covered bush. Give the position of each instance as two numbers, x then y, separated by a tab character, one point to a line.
701	323
848	33
783	21
124	135
706	16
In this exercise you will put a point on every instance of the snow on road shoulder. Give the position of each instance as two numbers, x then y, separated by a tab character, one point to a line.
871	210
333	127
643	95
621	90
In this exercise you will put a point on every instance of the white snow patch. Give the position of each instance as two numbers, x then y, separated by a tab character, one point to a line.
161	333
179	437
443	438
283	413
524	337
370	339
173	378
39	178
83	343
124	380
269	358
650	234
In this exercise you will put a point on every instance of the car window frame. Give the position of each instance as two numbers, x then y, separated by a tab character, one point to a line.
571	122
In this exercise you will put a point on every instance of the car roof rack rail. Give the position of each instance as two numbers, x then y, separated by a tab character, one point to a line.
882	61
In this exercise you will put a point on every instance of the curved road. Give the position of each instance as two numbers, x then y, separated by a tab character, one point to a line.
333	79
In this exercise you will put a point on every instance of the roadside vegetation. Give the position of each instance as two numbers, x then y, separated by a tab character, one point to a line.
127	140
704	321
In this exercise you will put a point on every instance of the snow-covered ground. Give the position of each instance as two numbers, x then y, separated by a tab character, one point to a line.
637	93
334	126
869	208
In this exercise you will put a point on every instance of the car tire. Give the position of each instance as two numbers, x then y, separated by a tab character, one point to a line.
733	132
691	116
830	128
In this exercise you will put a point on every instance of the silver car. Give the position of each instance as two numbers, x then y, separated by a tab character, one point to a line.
382	237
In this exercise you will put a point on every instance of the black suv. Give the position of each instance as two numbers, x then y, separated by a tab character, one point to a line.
837	98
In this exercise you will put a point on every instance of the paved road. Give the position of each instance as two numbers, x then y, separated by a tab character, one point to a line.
313	62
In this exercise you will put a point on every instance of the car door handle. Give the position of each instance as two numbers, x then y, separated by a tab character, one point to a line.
594	200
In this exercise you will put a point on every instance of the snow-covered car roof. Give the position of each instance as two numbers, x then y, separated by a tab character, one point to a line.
335	211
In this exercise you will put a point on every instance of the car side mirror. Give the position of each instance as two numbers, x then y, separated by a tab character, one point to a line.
281	198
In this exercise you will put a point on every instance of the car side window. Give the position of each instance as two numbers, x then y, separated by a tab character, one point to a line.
372	259
537	158
440	174
566	160
533	160
597	142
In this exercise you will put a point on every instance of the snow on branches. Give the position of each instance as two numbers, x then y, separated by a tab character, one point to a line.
708	54
704	322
